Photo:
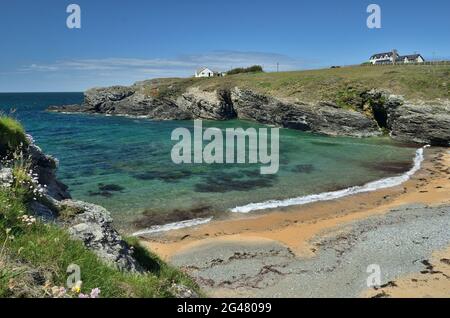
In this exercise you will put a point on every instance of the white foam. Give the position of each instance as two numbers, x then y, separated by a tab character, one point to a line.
326	196
173	226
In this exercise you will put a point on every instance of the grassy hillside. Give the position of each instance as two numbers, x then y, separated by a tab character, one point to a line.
34	256
12	135
425	82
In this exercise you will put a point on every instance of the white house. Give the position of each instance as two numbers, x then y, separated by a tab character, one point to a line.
384	58
414	58
206	72
391	57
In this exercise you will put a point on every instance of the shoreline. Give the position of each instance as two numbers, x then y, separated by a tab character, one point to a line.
273	205
295	227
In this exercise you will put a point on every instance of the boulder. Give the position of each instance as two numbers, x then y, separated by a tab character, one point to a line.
92	224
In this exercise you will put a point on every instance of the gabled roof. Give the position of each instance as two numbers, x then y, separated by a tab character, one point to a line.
380	55
411	57
201	69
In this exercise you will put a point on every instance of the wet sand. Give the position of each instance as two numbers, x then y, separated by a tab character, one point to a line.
292	237
432	281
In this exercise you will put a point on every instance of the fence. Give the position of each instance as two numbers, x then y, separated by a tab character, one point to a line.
402	64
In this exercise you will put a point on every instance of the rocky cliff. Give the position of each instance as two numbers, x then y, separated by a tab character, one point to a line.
89	223
369	114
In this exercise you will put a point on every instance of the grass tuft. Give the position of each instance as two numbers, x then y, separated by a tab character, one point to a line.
12	135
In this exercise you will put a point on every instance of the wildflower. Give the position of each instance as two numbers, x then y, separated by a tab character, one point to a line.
58	292
28	220
11	284
77	287
95	293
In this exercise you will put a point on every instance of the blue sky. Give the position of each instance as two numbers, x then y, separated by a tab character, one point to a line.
121	42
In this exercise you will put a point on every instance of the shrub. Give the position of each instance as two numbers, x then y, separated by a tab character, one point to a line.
12	135
251	69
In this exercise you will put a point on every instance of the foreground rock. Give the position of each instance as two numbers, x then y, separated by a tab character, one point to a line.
92	224
373	112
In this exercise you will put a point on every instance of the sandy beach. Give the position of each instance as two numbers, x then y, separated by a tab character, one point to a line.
324	249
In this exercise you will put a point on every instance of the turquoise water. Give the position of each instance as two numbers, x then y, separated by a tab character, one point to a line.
124	164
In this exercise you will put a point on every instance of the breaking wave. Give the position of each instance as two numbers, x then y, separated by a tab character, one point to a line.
172	226
326	196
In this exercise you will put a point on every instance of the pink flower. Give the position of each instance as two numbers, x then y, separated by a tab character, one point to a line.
95	292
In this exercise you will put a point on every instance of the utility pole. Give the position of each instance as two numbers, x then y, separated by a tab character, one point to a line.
278	67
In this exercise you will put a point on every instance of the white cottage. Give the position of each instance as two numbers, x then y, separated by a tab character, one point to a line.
206	72
384	58
391	57
414	58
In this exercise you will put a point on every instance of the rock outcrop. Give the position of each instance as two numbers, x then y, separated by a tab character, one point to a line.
375	111
92	224
325	118
87	222
45	166
421	123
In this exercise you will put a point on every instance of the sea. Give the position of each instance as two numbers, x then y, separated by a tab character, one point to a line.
125	165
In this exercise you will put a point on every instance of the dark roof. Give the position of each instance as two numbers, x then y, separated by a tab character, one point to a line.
201	69
410	57
379	55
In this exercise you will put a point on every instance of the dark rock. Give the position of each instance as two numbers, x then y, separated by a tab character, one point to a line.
421	123
156	217
110	187
418	122
216	105
93	226
45	166
306	168
321	118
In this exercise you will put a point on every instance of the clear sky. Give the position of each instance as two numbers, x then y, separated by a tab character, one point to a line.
124	41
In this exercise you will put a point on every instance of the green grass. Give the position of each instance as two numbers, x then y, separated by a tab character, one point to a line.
12	134
45	250
47	247
425	82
